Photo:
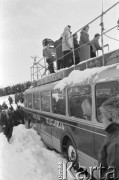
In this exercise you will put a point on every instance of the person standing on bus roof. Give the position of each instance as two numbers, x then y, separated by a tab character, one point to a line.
10	100
67	45
49	58
76	48
59	54
94	45
84	46
109	152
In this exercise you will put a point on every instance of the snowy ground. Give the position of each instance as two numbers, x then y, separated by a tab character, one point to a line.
25	157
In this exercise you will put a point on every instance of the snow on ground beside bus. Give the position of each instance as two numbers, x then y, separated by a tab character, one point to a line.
77	76
26	157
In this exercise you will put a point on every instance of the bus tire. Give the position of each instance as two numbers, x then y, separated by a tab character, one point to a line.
71	152
72	156
29	121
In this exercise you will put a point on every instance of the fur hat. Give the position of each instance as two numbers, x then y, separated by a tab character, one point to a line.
111	108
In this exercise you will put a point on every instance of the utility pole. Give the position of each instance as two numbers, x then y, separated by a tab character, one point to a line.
35	66
102	30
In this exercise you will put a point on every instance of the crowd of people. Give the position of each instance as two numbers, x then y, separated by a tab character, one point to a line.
10	117
69	51
19	97
109	152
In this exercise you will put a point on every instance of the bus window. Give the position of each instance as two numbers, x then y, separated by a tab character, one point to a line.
104	91
45	101
29	100
79	102
58	102
36	100
25	100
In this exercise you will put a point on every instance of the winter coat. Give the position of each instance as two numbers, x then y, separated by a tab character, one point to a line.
47	53
10	100
95	45
67	43
59	53
58	46
76	45
84	50
109	153
4	118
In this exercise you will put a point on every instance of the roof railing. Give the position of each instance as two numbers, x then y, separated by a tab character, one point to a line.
38	67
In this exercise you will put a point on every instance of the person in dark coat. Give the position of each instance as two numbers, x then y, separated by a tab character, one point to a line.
94	45
19	113
49	58
5	122
10	100
76	48
4	106
0	118
10	123
0	107
59	54
84	46
67	46
16	98
11	108
109	152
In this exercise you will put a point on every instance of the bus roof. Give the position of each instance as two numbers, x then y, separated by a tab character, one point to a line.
109	58
77	77
90	76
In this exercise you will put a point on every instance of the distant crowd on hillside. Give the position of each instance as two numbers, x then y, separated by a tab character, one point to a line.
18	88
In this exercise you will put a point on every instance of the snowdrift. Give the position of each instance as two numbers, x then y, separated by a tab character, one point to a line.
26	157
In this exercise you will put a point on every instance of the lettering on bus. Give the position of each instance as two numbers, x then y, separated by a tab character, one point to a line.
35	116
54	123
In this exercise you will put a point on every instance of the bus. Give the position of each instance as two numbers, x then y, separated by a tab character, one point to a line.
68	120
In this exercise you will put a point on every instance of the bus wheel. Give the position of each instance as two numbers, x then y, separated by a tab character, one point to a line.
29	124
71	152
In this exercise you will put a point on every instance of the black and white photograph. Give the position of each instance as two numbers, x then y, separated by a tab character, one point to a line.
59	90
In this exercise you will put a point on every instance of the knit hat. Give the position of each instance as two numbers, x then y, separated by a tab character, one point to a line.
97	34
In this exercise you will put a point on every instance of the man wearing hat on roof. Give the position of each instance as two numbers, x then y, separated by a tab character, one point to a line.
109	152
94	45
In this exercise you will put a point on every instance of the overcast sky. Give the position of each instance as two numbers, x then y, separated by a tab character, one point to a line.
25	23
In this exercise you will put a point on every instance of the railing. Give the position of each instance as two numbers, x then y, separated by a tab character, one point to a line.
39	68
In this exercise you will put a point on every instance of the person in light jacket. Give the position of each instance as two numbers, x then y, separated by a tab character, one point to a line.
67	46
84	46
109	152
94	45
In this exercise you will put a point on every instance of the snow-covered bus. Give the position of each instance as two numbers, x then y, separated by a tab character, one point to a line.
65	111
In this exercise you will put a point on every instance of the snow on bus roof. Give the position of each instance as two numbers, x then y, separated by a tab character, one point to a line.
89	75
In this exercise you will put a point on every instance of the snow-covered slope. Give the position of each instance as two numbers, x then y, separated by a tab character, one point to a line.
26	157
